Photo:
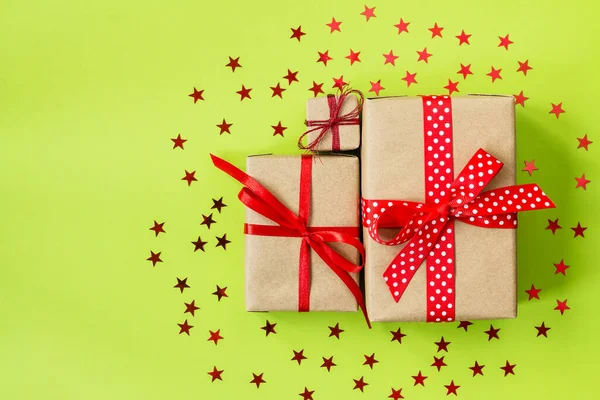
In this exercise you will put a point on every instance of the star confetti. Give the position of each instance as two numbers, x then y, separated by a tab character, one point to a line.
154	257
376	87
396	394
328	363
582	182
524	67
189	177
409	78
307	394
181	285
233	63
298	356
520	99
553	225
463	38
557	109
424	55
191	307
438	363
218	205
584	142
508	368
370	360
451	87
278	129
269	328
353	57
419	379
477	369
451	388
436	30
339	83
505	42
402	26
390	58
244	93
199	244
179	141
369	13
492	333
324	57
277	90
297	33
465	325
530	167
220	292
397	335
216	374
222	241
316	88
197	95
360	384
185	328
495	74
562	306
578	230
561	268
291	77
257	379
214	336
542	330
334	25
335	331
442	345
158	228
224	127
533	293
465	70
207	220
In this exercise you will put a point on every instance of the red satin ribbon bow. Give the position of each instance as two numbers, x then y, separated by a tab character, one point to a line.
335	120
259	199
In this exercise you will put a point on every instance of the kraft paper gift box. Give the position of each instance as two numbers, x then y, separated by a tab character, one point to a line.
393	168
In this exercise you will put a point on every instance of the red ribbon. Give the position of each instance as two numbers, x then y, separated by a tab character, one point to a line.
259	199
429	227
335	120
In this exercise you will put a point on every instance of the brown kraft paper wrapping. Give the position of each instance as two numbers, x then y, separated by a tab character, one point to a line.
318	109
393	168
272	262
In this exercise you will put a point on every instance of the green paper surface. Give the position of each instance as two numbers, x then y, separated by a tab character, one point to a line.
92	93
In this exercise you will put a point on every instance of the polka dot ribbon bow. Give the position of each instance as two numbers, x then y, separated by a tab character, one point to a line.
429	227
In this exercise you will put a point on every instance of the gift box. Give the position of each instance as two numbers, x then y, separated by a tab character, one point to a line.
302	247
439	239
333	122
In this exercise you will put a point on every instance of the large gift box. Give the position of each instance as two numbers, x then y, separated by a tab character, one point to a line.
435	233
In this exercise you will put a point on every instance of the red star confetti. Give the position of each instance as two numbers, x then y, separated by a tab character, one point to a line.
553	225
222	241
298	356
278	129
215	336
185	327
370	360
530	167
224	127
334	25
181	285
328	363
584	142
505	42
324	57
179	141
257	379
220	292
335	330
397	335
582	182
189	177
376	87
451	87
438	362
269	328
524	67
197	95
520	99
508	368
216	374
244	93
436	30
533	293
360	384
477	369
368	13
561	268
218	205
191	308
409	78
419	379
297	33
465	70
542	330
277	91
442	345
291	77
492	333
396	394
307	394
158	228
463	38
316	88
339	83
562	306
390	58
402	26
579	230
154	257
465	325
353	57
199	244
451	389
207	220
495	74
233	63
557	109
424	55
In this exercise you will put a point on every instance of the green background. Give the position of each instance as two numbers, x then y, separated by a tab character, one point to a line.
90	95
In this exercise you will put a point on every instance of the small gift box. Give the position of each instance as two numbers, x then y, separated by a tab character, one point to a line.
333	122
302	228
439	208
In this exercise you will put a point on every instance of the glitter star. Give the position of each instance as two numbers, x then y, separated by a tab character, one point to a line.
492	333
220	292
216	374
578	230
191	307
451	388
179	141
297	33
402	26
409	78
257	379
495	74
562	306
339	83
370	360
154	257
508	368
334	25
436	30
185	327
307	394
224	127
390	58
465	325
451	87
353	57
524	67
477	369
278	129
197	95
463	38
189	177
582	182
368	13
218	205
215	336
269	328
533	293
530	167
360	384
396	394
561	268
277	90
584	142
465	70
207	220
316	88
419	379
335	331
181	285
438	362
553	225
324	57
542	330
376	87
298	356
424	55
520	99
557	109
397	335
158	228
291	77
222	241
328	363
233	63
442	345
244	93
199	244
505	42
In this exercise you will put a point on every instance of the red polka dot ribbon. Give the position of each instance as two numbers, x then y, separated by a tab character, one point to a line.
429	227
